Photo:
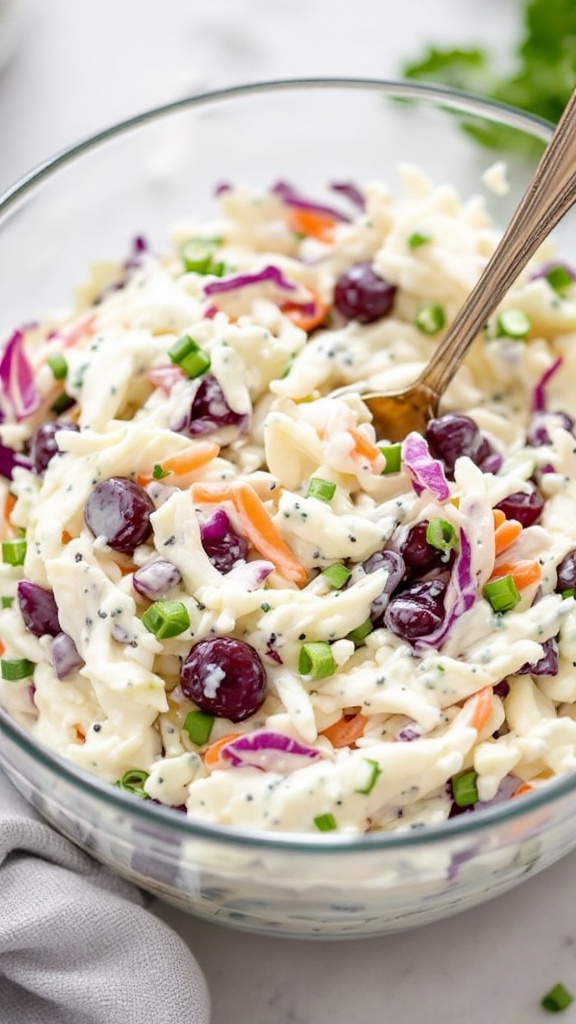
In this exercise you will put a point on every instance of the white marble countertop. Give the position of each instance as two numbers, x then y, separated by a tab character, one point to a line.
82	65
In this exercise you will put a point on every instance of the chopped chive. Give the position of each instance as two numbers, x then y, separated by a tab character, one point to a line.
464	788
557	999
188	354
393	455
418	238
133	782
62	403
324	490
6	602
336	575
58	365
166	619
198	725
441	534
158	473
513	323
430	319
375	772
325	822
316	660
359	634
559	278
16	668
502	593
14	551
197	253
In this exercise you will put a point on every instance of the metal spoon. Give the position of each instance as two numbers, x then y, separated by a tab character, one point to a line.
549	196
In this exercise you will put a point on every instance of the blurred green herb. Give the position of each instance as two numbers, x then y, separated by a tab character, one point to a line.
540	81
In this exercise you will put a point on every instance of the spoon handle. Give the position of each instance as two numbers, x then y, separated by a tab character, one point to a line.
549	196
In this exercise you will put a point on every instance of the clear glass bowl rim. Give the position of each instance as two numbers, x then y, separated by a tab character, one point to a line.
178	824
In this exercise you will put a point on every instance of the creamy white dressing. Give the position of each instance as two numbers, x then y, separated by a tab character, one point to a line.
411	706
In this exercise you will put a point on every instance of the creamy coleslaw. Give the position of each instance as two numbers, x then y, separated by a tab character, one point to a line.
222	591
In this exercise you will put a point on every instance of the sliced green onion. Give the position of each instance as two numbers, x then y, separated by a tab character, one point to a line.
557	999
336	575
375	772
393	455
158	473
197	253
198	725
559	278
166	619
316	660
325	822
14	551
359	634
513	323
464	788
6	602
430	319
418	238
502	594
568	593
187	354
133	782
441	534
58	365
16	668
62	403
324	490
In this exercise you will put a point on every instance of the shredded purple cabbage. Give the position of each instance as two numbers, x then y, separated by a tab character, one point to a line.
9	460
65	656
16	378
289	195
426	473
269	751
539	394
230	284
156	578
407	734
351	191
461	594
547	665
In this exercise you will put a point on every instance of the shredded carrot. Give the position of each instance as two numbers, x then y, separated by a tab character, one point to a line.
80	734
208	494
2	648
187	461
212	753
364	446
264	534
346	730
499	517
66	537
524	787
479	707
9	508
82	329
505	534
307	321
312	223
524	573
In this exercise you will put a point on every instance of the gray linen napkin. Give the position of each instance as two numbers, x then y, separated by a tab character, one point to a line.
77	945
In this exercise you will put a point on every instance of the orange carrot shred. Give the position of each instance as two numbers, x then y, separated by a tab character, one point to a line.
524	573
346	730
505	534
479	707
364	446
66	537
2	648
187	461
9	507
312	223
306	321
499	517
263	533
212	753
524	787
210	493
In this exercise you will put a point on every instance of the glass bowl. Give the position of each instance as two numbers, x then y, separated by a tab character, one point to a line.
138	178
